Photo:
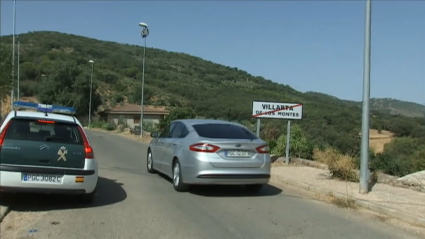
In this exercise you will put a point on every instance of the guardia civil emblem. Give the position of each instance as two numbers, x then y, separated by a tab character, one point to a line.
62	152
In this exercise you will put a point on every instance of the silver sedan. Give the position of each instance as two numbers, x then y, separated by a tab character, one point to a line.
195	151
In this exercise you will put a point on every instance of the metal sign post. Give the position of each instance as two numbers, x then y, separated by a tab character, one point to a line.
258	127
288	140
276	110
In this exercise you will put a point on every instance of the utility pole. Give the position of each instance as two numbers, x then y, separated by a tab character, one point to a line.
364	163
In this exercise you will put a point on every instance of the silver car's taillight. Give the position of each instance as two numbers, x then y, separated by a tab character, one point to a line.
263	149
204	148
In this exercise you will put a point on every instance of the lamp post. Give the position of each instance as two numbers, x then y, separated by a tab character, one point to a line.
43	76
364	169
91	89
144	33
19	53
13	55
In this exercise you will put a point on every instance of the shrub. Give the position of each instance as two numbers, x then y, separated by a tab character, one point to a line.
340	166
149	126
280	146
418	160
299	146
402	156
100	124
272	144
122	120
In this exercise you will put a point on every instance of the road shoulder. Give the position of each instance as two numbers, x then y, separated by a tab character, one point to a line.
4	210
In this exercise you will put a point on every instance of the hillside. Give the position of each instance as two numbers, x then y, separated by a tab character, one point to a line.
397	107
384	105
179	80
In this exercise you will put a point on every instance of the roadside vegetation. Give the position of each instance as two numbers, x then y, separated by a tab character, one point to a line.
55	69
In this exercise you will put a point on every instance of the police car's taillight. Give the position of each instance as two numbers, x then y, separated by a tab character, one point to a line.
87	147
3	133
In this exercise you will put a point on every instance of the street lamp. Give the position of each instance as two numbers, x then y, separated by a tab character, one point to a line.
13	55
144	33
43	76
19	53
91	89
364	169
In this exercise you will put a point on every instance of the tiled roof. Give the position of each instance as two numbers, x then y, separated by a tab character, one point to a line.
135	109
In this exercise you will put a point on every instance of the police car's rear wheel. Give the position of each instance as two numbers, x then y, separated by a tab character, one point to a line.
88	198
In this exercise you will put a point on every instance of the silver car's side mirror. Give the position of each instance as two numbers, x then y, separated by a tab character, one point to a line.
154	135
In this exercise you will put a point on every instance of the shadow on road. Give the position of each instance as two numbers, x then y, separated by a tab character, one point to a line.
109	192
233	191
228	190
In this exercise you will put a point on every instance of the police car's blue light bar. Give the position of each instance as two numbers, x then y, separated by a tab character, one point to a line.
44	107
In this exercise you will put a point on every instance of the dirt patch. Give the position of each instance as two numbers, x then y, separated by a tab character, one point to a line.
374	134
379	144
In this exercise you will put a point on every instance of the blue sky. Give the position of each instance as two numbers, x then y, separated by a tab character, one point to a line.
309	45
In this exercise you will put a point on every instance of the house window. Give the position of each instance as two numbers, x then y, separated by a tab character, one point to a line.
136	119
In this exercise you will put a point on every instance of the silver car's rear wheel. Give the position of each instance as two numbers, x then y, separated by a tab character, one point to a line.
177	178
150	163
176	174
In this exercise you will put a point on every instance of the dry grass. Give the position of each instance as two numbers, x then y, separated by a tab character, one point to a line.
340	166
6	104
281	164
29	99
340	202
5	109
382	218
377	141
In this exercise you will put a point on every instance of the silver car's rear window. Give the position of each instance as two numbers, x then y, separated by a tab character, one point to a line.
223	131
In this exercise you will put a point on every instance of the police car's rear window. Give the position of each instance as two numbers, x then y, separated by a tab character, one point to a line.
43	130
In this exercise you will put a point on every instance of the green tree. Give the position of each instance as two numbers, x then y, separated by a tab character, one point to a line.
5	70
69	85
175	114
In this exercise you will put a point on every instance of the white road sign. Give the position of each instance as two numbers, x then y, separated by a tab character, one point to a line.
275	110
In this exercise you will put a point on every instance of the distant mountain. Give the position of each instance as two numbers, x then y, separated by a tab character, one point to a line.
384	105
397	107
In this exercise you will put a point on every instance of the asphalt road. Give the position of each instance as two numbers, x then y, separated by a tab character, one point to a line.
134	204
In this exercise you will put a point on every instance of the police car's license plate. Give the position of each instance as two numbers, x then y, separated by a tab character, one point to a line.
41	178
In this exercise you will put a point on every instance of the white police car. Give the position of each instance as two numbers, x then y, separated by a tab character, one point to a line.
46	151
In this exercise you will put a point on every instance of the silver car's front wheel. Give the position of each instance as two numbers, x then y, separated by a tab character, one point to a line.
150	163
177	178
